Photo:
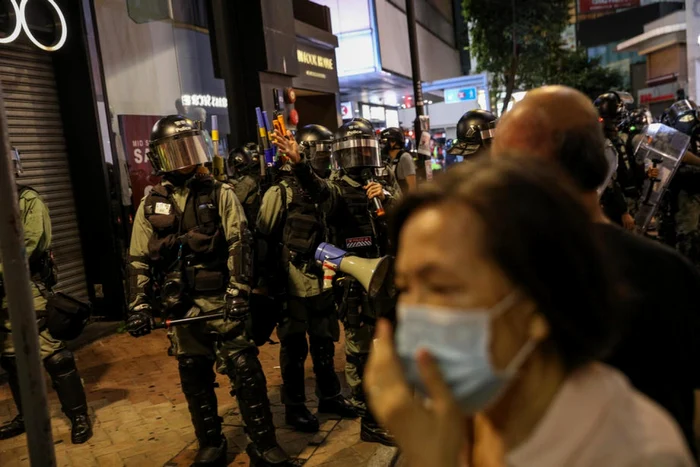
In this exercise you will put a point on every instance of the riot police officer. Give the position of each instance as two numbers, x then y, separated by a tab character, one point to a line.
354	204
475	131
191	238
622	192
58	360
685	186
398	159
291	219
245	178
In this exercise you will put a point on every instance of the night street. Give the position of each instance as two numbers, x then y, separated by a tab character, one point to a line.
140	416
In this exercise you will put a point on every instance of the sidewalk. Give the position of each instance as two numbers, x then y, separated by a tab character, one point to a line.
141	419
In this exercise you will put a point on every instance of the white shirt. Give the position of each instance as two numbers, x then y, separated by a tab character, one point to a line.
597	419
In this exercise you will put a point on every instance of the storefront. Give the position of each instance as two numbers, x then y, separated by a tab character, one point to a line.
58	125
316	85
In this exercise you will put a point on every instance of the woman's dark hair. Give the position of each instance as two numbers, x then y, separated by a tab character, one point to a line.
542	239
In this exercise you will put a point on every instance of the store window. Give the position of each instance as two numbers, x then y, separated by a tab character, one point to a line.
154	67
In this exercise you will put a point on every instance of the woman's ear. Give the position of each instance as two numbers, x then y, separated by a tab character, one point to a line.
539	327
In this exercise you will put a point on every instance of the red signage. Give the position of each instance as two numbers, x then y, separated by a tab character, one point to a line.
587	6
136	132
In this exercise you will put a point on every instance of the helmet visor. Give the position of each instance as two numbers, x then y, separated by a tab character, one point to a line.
170	154
320	156
356	152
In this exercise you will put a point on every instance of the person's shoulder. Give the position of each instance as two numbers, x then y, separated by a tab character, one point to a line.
641	430
625	242
406	156
28	193
657	437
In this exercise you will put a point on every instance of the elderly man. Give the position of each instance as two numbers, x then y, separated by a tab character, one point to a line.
559	124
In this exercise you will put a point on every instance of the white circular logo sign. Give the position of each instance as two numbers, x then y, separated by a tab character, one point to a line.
21	17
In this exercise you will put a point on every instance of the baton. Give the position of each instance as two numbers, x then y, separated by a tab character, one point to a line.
194	319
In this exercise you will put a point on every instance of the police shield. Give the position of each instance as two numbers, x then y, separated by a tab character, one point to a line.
663	148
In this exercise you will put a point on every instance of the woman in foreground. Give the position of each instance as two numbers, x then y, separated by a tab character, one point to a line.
505	307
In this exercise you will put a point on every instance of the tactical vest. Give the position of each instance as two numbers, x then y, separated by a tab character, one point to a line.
351	225
303	227
250	200
193	239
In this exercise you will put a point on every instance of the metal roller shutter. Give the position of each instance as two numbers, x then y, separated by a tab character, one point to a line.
36	130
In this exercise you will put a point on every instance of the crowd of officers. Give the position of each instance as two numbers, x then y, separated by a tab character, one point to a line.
236	258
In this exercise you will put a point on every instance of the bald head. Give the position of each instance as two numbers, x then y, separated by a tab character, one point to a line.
560	124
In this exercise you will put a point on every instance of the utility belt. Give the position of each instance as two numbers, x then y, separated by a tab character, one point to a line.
179	286
299	260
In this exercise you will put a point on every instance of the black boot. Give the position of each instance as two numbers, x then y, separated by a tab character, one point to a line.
293	352
198	382
327	383
372	432
251	390
16	426
69	387
299	417
338	405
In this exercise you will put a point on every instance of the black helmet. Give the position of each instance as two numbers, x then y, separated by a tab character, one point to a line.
609	106
355	145
176	143
474	130
315	143
245	159
391	135
683	116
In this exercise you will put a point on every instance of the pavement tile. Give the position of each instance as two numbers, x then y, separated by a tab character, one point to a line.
141	419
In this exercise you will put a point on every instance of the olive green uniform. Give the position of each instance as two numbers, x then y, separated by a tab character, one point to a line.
310	309
344	201
37	239
196	339
58	360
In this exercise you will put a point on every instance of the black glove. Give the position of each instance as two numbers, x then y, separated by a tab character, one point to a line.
237	305
140	321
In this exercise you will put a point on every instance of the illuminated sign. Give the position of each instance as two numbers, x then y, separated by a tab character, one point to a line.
21	24
204	100
460	95
312	59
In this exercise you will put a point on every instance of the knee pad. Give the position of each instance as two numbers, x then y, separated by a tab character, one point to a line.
60	363
248	373
196	374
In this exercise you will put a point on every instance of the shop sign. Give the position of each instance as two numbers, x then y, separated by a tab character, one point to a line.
136	133
317	69
346	110
460	95
315	60
587	6
20	14
661	93
204	100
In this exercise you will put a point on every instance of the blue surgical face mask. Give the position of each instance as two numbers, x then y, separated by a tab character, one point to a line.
459	341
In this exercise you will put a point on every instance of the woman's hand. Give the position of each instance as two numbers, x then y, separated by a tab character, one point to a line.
428	433
375	190
287	145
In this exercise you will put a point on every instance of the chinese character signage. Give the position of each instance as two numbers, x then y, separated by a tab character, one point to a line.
588	6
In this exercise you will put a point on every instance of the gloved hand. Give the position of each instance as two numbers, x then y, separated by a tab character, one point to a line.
237	305
140	321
